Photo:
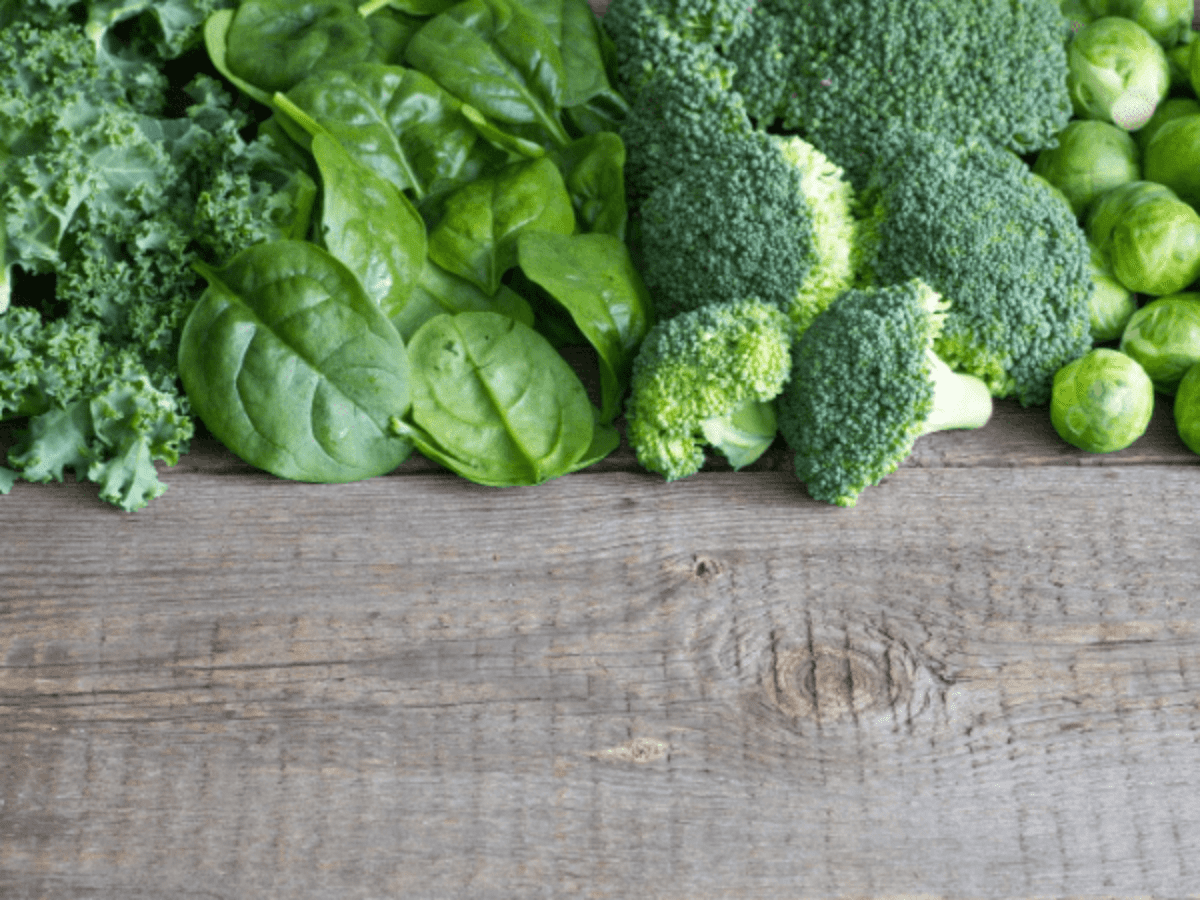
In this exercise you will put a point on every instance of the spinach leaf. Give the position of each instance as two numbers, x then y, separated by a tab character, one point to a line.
594	171
370	226
496	56
476	237
293	368
216	33
273	44
411	7
593	278
591	102
391	30
437	292
398	122
494	402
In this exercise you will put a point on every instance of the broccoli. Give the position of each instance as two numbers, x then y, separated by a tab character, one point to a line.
840	71
866	383
758	215
974	223
709	375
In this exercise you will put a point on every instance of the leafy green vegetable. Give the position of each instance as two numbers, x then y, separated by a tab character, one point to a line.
369	226
496	56
273	44
437	291
294	368
494	402
593	168
481	222
216	36
398	122
593	278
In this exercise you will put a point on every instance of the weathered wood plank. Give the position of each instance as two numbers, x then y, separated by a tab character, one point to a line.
979	683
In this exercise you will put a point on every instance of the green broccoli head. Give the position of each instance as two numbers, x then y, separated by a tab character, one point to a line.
838	72
736	224
866	383
973	222
759	215
708	376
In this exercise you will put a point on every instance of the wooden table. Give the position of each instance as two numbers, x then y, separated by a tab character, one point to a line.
982	682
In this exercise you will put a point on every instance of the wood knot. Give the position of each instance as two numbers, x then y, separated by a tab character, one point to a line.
831	683
705	567
639	751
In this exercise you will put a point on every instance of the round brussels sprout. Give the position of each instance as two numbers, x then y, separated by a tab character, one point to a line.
1101	402
1111	303
1187	408
1155	247
1168	111
1116	72
1167	21
1091	158
1173	158
1110	207
1164	337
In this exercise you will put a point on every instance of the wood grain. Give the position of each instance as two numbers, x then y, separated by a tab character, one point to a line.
982	682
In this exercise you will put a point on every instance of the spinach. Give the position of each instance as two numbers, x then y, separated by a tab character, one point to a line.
476	237
494	402
437	292
370	226
496	56
273	44
391	30
594	171
591	103
593	278
398	122
293	368
411	7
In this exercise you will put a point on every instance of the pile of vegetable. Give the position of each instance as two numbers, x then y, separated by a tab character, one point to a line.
337	234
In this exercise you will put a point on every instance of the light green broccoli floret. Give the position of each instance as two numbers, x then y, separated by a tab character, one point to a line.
866	383
830	200
708	376
974	223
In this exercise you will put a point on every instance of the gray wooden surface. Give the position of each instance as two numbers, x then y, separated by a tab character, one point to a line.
982	682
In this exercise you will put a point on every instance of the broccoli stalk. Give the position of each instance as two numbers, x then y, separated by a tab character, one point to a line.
959	400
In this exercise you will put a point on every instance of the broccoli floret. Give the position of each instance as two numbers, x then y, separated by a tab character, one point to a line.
866	383
760	216
708	376
975	224
839	71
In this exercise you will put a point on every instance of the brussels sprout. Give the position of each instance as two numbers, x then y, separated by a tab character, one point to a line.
1116	72
1091	158
1179	62
1167	21
1168	111
1109	208
1187	408
1164	337
1101	402
1173	158
1111	303
1152	241
1076	12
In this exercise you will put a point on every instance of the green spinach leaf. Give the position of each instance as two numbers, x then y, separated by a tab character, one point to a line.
476	237
594	280
591	102
273	44
370	226
399	123
594	171
494	402
496	56
293	368
437	292
216	33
